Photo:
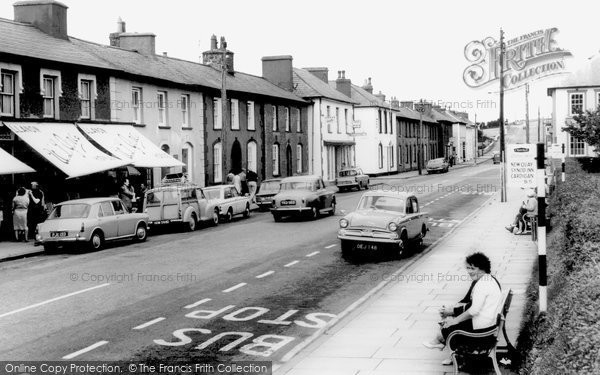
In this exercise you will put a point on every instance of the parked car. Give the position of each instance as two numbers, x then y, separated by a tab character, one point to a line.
266	192
352	178
437	165
228	200
496	158
91	221
183	203
383	221
303	195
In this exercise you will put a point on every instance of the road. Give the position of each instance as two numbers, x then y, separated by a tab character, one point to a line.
251	289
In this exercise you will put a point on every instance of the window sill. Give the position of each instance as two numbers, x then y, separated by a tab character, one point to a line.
164	127
186	128
139	125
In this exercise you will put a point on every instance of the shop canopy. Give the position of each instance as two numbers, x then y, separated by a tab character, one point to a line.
128	144
10	165
63	145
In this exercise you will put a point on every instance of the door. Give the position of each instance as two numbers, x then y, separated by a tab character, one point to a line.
413	224
288	157
170	205
125	222
237	201
236	157
107	220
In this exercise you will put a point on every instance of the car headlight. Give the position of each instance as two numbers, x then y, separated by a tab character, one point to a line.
343	223
393	227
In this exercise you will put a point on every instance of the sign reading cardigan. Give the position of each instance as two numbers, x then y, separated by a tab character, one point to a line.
64	146
129	145
528	57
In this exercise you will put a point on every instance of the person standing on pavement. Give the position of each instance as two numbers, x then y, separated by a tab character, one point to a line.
476	312
126	194
243	181
237	182
20	206
36	213
142	195
252	179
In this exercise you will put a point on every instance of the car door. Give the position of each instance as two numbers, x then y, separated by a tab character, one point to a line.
237	200
125	221
414	222
361	177
171	204
202	203
107	221
323	194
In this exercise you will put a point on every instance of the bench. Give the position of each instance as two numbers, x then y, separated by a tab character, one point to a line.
484	344
530	225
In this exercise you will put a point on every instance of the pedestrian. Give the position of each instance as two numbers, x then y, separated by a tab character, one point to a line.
244	182
36	213
229	179
477	311
20	205
142	193
126	194
528	207
252	179
237	182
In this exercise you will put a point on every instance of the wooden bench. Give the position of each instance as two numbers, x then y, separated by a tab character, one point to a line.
484	344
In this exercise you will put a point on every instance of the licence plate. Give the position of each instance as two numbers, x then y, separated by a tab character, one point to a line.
157	222
366	246
288	202
59	234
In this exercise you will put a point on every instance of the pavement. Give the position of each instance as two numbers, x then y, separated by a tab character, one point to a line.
383	335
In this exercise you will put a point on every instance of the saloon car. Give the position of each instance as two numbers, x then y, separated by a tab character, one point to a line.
496	158
228	201
267	190
180	203
383	222
437	166
303	196
91	221
352	178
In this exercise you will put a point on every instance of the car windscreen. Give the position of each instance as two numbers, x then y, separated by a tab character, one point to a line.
269	187
349	173
70	211
212	193
384	203
299	185
153	198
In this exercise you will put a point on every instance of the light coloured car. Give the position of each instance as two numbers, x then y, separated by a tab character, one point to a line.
438	165
228	201
91	221
352	178
183	203
303	196
383	221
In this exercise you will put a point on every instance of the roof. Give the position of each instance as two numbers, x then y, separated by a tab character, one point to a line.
413	115
388	193
364	98
443	116
300	178
89	200
26	40
589	75
215	187
306	85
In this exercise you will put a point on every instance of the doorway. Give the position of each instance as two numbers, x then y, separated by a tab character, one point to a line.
236	157
288	156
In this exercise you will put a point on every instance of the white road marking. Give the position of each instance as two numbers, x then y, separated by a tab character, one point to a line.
53	300
234	287
265	274
85	350
330	246
197	303
147	324
312	254
291	263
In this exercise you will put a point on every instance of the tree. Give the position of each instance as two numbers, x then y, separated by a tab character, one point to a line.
586	126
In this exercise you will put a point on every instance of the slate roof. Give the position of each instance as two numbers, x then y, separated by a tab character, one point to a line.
414	115
306	85
443	116
589	75
26	40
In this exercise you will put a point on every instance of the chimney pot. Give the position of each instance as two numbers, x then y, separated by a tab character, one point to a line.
48	16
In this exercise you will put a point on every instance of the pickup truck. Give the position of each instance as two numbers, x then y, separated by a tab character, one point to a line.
383	222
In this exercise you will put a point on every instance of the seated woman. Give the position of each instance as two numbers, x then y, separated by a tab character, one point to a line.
477	311
527	207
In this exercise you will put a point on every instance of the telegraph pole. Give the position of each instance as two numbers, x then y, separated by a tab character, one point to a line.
420	107
502	152
224	107
476	141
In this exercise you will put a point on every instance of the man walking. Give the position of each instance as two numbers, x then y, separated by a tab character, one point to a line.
36	212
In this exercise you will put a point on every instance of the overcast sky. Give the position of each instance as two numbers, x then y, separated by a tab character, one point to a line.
411	49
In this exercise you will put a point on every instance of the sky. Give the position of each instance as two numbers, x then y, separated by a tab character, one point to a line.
411	50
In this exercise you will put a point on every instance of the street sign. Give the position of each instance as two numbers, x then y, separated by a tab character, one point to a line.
356	124
520	164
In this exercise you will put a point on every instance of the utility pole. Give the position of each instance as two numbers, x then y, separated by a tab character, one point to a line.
420	107
527	113
476	141
224	106
502	152
540	128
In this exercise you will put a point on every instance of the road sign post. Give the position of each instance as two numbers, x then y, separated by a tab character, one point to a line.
419	107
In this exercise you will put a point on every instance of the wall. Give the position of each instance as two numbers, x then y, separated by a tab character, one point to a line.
367	146
560	114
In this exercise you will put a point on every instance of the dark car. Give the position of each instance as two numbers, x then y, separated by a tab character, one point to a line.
437	165
266	192
303	195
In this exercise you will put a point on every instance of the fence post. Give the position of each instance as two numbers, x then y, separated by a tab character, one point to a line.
541	234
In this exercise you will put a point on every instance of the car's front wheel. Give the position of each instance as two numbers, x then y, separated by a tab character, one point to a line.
141	233
191	223
229	215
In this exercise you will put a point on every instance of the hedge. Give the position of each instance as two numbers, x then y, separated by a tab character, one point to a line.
567	339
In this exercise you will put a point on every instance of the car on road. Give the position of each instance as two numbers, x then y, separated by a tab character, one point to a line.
91	221
180	203
228	201
352	178
496	158
383	222
267	190
303	196
438	165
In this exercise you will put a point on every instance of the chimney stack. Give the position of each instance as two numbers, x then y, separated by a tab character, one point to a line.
142	43
114	37
279	71
214	56
343	85
407	104
47	15
368	86
321	73
380	96
395	103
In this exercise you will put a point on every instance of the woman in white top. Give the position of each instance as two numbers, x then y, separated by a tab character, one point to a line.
478	310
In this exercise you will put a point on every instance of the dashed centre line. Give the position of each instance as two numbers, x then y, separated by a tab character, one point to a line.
148	324
85	350
330	246
234	287
312	254
292	263
197	303
265	274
